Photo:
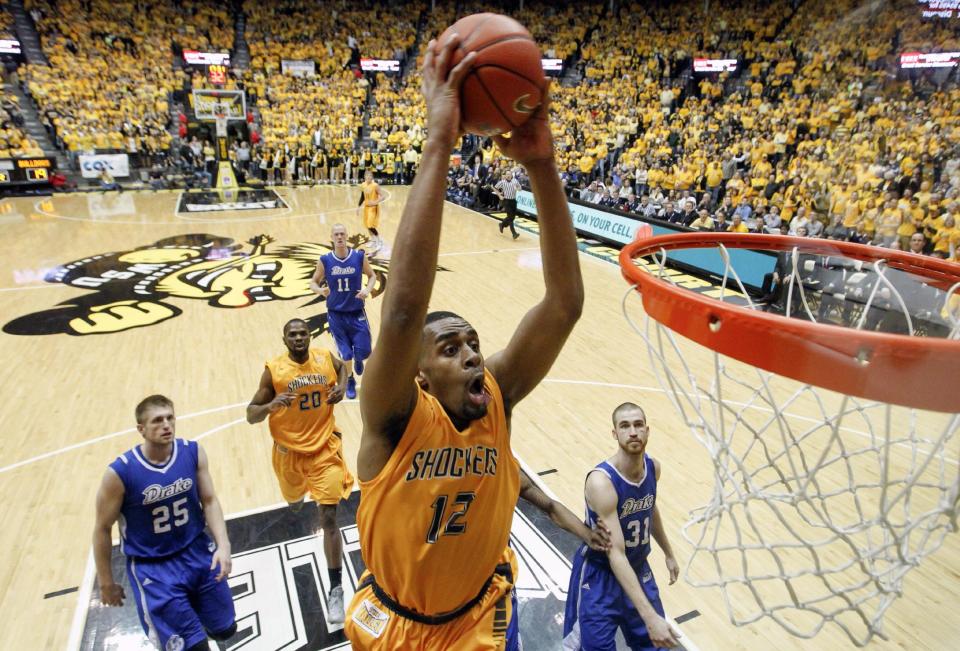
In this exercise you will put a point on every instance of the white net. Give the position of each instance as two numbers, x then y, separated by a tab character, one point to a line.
220	118
821	503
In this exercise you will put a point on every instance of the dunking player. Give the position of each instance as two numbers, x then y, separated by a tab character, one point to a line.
162	492
435	459
370	200
338	277
616	589
297	391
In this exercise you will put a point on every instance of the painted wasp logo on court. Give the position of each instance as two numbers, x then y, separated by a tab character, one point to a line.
133	289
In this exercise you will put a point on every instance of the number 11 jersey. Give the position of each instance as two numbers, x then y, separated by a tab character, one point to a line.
345	279
161	512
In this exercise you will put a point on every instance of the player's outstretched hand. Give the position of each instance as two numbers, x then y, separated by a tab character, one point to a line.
673	568
441	89
335	395
221	558
112	595
531	141
599	537
662	634
283	400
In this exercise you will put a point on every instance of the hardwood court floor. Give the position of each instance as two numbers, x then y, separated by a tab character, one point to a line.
195	332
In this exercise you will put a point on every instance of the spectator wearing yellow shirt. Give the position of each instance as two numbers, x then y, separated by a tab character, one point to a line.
947	239
737	225
888	223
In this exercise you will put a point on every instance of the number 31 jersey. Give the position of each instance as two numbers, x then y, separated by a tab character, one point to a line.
635	504
161	513
307	425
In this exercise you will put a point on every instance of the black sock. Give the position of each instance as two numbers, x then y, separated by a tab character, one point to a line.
335	576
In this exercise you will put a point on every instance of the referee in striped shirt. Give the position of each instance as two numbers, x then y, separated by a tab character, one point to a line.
507	189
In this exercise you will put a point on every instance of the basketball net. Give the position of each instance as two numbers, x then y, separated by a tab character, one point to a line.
821	502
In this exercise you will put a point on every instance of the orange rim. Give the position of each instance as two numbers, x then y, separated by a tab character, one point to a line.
918	372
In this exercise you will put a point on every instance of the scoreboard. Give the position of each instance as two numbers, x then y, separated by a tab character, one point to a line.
31	171
217	73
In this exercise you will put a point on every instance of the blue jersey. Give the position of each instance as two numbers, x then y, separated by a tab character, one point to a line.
635	504
161	513
345	279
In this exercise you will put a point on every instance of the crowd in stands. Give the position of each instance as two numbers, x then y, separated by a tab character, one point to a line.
6	26
816	131
813	137
14	142
314	121
111	69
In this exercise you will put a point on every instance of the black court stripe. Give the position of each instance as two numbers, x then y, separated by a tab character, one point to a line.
548	471
60	593
686	617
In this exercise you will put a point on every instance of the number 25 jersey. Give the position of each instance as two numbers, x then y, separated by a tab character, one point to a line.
434	523
161	512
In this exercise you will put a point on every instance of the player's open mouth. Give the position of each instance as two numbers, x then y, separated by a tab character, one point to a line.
476	393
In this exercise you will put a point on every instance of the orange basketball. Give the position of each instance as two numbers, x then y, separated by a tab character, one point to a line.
506	85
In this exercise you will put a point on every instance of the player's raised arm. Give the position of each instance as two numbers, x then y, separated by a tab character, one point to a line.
388	395
602	498
544	329
213	513
109	502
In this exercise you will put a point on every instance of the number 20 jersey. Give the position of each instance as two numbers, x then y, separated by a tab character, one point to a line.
307	425
161	512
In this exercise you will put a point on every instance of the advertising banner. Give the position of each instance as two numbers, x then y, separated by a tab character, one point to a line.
117	164
298	68
929	60
195	58
379	65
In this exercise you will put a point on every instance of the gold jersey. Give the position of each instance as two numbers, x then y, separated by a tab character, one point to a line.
307	425
434	523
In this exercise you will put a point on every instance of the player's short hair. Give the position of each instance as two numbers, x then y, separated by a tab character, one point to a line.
286	326
338	225
623	407
440	315
155	400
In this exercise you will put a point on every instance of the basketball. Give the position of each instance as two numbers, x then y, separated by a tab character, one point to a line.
506	85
